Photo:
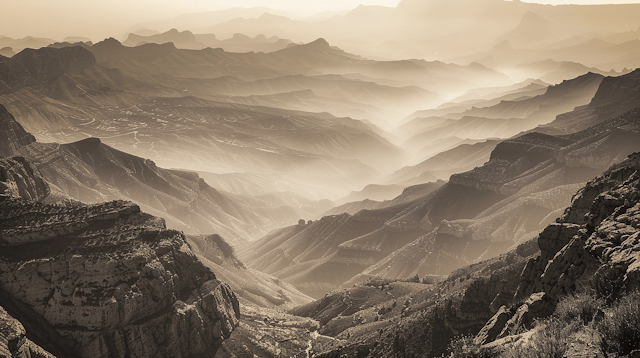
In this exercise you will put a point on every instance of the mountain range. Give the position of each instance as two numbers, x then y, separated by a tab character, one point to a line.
444	178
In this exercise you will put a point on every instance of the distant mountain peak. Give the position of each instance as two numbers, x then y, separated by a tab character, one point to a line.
531	17
109	43
319	43
503	46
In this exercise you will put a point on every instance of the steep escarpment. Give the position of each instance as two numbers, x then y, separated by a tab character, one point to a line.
14	341
251	286
596	240
12	134
107	280
19	177
615	96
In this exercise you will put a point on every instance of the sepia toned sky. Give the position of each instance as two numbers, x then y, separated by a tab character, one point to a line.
101	18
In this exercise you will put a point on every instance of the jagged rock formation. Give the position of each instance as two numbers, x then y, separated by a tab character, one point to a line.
14	341
12	134
597	236
19	177
107	280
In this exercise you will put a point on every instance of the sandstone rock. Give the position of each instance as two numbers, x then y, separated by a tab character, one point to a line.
492	329
21	178
502	299
14	342
551	240
112	280
599	232
539	305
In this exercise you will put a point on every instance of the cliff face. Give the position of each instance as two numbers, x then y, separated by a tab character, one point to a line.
107	280
19	177
14	341
598	236
12	135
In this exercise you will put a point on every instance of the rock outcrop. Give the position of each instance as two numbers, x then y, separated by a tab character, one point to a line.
19	177
14	341
597	239
12	135
107	280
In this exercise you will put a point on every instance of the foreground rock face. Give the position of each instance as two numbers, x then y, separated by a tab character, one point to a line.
14	341
107	280
598	236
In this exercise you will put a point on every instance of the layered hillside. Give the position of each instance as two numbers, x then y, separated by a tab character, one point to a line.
478	214
595	239
615	95
537	174
507	118
182	122
103	280
91	171
592	242
252	287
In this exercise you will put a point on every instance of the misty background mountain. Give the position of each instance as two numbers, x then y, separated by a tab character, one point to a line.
340	170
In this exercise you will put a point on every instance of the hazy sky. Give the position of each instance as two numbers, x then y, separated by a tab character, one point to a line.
102	18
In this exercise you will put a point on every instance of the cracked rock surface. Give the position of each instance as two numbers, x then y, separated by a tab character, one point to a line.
107	280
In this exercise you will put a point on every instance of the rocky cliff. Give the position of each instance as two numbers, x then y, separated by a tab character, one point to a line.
14	341
19	177
12	135
598	236
106	280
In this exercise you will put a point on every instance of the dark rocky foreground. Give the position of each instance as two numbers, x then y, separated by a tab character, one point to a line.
103	280
598	236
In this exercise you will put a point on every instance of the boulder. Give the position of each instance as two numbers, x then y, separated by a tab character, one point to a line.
494	327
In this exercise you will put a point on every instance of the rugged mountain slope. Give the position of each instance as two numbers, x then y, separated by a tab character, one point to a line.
508	118
596	236
478	214
150	116
537	174
459	159
320	256
251	286
408	194
105	280
91	171
12	135
615	95
387	318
